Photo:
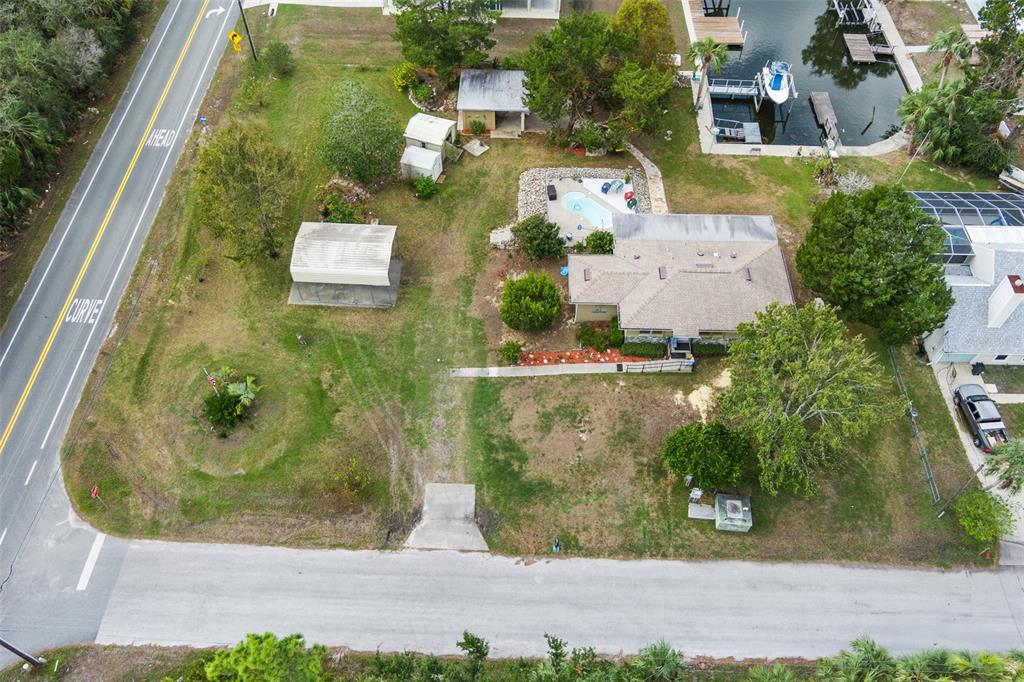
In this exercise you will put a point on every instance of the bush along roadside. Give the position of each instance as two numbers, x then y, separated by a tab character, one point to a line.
655	351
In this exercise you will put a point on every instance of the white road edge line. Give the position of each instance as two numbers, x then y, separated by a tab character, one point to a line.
90	562
31	471
2	536
131	240
81	201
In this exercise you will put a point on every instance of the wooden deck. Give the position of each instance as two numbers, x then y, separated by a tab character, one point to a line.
860	49
821	104
725	30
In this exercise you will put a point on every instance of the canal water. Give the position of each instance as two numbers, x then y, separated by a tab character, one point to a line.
804	33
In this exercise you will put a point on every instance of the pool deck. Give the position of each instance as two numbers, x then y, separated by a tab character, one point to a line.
575	227
705	117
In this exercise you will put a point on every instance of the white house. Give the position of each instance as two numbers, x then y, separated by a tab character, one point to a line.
429	132
349	265
418	162
984	259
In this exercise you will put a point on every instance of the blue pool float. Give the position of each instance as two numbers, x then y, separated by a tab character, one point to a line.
605	187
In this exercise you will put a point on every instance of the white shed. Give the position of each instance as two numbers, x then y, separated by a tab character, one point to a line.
341	253
429	131
417	162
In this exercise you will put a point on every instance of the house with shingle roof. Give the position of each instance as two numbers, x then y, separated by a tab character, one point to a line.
681	276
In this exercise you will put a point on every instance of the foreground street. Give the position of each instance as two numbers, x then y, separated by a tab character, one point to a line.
205	595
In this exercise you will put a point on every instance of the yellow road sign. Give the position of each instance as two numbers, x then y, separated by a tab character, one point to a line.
236	40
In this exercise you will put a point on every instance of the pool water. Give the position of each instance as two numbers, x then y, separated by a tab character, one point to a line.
578	202
804	33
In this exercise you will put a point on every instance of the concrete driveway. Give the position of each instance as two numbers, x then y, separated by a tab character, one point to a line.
949	376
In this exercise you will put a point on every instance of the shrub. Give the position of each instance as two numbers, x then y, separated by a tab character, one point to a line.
983	516
510	351
265	657
531	302
709	452
361	137
538	238
421	92
644	349
278	57
424	187
590	336
403	75
352	477
340	202
230	399
708	349
598	242
477	127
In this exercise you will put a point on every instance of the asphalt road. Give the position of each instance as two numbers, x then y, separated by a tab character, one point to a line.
50	567
62	582
422	601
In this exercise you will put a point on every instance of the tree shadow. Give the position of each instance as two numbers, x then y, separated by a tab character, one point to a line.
826	55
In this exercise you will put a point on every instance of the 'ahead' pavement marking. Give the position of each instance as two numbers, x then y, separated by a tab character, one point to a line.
99	234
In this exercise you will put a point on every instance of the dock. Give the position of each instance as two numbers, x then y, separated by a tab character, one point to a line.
859	48
821	104
726	30
862	51
747	131
733	87
856	13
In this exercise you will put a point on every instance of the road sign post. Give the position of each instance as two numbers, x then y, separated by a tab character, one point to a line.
248	33
25	656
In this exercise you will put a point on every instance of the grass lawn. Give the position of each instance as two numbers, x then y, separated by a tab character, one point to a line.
578	458
1007	379
370	385
572	456
16	267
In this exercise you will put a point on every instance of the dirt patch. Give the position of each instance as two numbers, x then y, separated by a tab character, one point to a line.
920	20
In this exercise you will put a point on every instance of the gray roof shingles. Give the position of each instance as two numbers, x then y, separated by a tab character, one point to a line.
967	330
491	90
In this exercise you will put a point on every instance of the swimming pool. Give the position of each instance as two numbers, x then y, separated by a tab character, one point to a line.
578	202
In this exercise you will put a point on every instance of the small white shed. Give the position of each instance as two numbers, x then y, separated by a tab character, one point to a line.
418	161
430	132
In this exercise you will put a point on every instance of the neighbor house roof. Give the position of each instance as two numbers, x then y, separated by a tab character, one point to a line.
685	273
966	329
420	157
341	253
429	129
491	90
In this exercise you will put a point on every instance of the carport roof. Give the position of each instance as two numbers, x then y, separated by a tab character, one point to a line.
491	90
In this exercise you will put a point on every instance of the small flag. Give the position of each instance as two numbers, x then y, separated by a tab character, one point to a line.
212	379
95	492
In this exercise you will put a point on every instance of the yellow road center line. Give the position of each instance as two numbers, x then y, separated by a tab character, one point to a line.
99	234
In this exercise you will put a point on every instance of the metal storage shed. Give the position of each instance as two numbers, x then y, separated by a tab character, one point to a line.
340	264
429	131
417	162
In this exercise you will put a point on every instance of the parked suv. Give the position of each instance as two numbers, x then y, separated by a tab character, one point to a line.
982	416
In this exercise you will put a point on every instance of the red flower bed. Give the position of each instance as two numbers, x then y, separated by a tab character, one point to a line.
579	356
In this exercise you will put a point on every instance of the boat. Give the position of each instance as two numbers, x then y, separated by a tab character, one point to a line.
778	81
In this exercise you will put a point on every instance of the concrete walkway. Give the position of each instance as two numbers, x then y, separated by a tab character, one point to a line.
655	185
449	519
206	595
1011	552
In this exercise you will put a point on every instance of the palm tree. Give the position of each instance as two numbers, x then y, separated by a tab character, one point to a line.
865	662
1006	461
981	666
709	55
924	666
657	662
953	45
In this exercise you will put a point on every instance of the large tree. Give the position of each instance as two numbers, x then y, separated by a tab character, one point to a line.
570	69
709	452
954	46
801	390
873	255
242	185
361	136
1006	463
650	28
643	90
445	34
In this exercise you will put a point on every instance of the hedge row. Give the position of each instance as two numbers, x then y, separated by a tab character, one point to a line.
644	350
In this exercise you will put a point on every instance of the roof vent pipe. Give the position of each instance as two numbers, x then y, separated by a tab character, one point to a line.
586	274
662	272
749	276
